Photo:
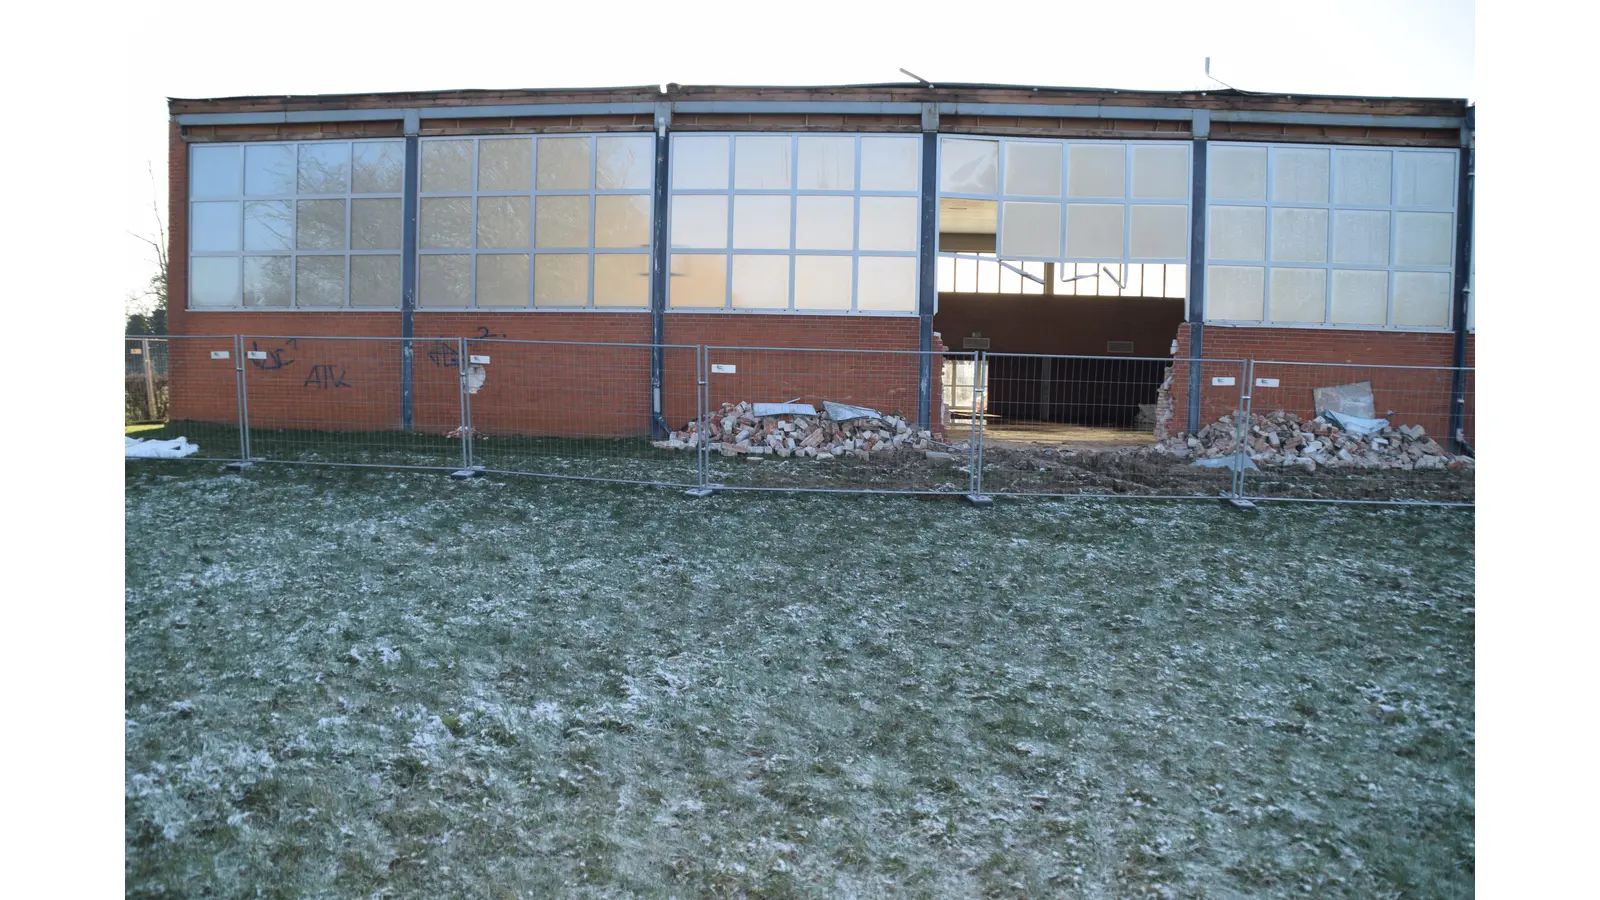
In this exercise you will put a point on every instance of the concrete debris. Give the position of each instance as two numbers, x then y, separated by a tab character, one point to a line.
1283	439
739	429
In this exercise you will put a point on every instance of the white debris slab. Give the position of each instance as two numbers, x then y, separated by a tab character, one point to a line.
782	409
173	449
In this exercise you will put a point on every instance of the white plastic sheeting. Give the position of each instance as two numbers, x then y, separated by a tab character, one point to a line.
173	449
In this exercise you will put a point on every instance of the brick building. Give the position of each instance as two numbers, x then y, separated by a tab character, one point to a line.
1218	224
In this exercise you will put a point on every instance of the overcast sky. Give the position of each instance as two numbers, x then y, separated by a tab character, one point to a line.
1417	48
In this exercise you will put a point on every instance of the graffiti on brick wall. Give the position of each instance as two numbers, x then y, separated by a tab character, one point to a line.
443	353
274	359
326	376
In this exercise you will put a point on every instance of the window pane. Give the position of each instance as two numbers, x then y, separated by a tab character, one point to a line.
505	164
324	167
378	167
1363	177
1423	239
267	280
563	164
962	215
888	283
761	163
890	164
699	162
827	164
1238	232
1422	299
1425	179
698	280
1237	173
214	281
622	220
1299	175
1235	293
761	222
1094	231
1299	295
503	279
503	221
1160	172
825	223
1033	230
1300	235
1360	298
1158	232
624	163
1097	170
968	166
214	226
446	223
375	224
1033	168
700	221
1361	237
1177	277
761	282
268	225
375	281
319	281
446	166
622	279
444	281
561	221
822	282
269	170
319	225
561	280
889	223
214	171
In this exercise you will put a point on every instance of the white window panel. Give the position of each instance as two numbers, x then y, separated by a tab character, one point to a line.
1363	177
823	282
1361	237
761	282
1422	299
699	162
887	283
699	221
1299	175
622	280
1237	173
891	164
1299	235
214	226
375	281
1160	172
447	166
214	281
698	281
503	222
1423	239
1033	230
824	223
1299	295
377	167
560	280
561	221
1033	168
505	164
269	170
563	164
319	280
1425	179
445	223
375	223
1235	293
827	164
1158	232
622	220
444	281
1097	171
889	223
323	168
319	225
1094	230
761	222
1238	232
624	163
969	166
215	171
268	281
503	279
761	162
1360	297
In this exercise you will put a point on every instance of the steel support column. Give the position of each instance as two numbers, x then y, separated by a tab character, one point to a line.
1197	266
928	271
408	271
660	268
1461	296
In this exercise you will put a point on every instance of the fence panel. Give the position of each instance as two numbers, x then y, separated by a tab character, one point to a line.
584	410
1312	434
340	401
1102	426
145	380
185	386
876	445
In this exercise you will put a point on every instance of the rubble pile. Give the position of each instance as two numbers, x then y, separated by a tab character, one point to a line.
1281	438
736	430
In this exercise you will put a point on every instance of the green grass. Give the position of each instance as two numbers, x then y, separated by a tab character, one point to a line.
350	683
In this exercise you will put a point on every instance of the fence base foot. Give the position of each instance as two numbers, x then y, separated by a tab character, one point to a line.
1237	502
699	492
464	474
980	499
240	466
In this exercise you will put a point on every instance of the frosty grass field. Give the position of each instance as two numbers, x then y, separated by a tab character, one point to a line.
362	683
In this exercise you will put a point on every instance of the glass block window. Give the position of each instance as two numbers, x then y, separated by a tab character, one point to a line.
1124	202
1359	237
795	223
535	222
307	224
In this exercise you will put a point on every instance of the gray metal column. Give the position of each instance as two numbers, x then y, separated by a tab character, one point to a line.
1458	312
408	264
660	268
1197	262
928	262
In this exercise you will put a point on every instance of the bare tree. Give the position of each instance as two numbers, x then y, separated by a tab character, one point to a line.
146	311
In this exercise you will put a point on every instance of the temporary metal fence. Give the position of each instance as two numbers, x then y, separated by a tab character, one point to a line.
745	418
